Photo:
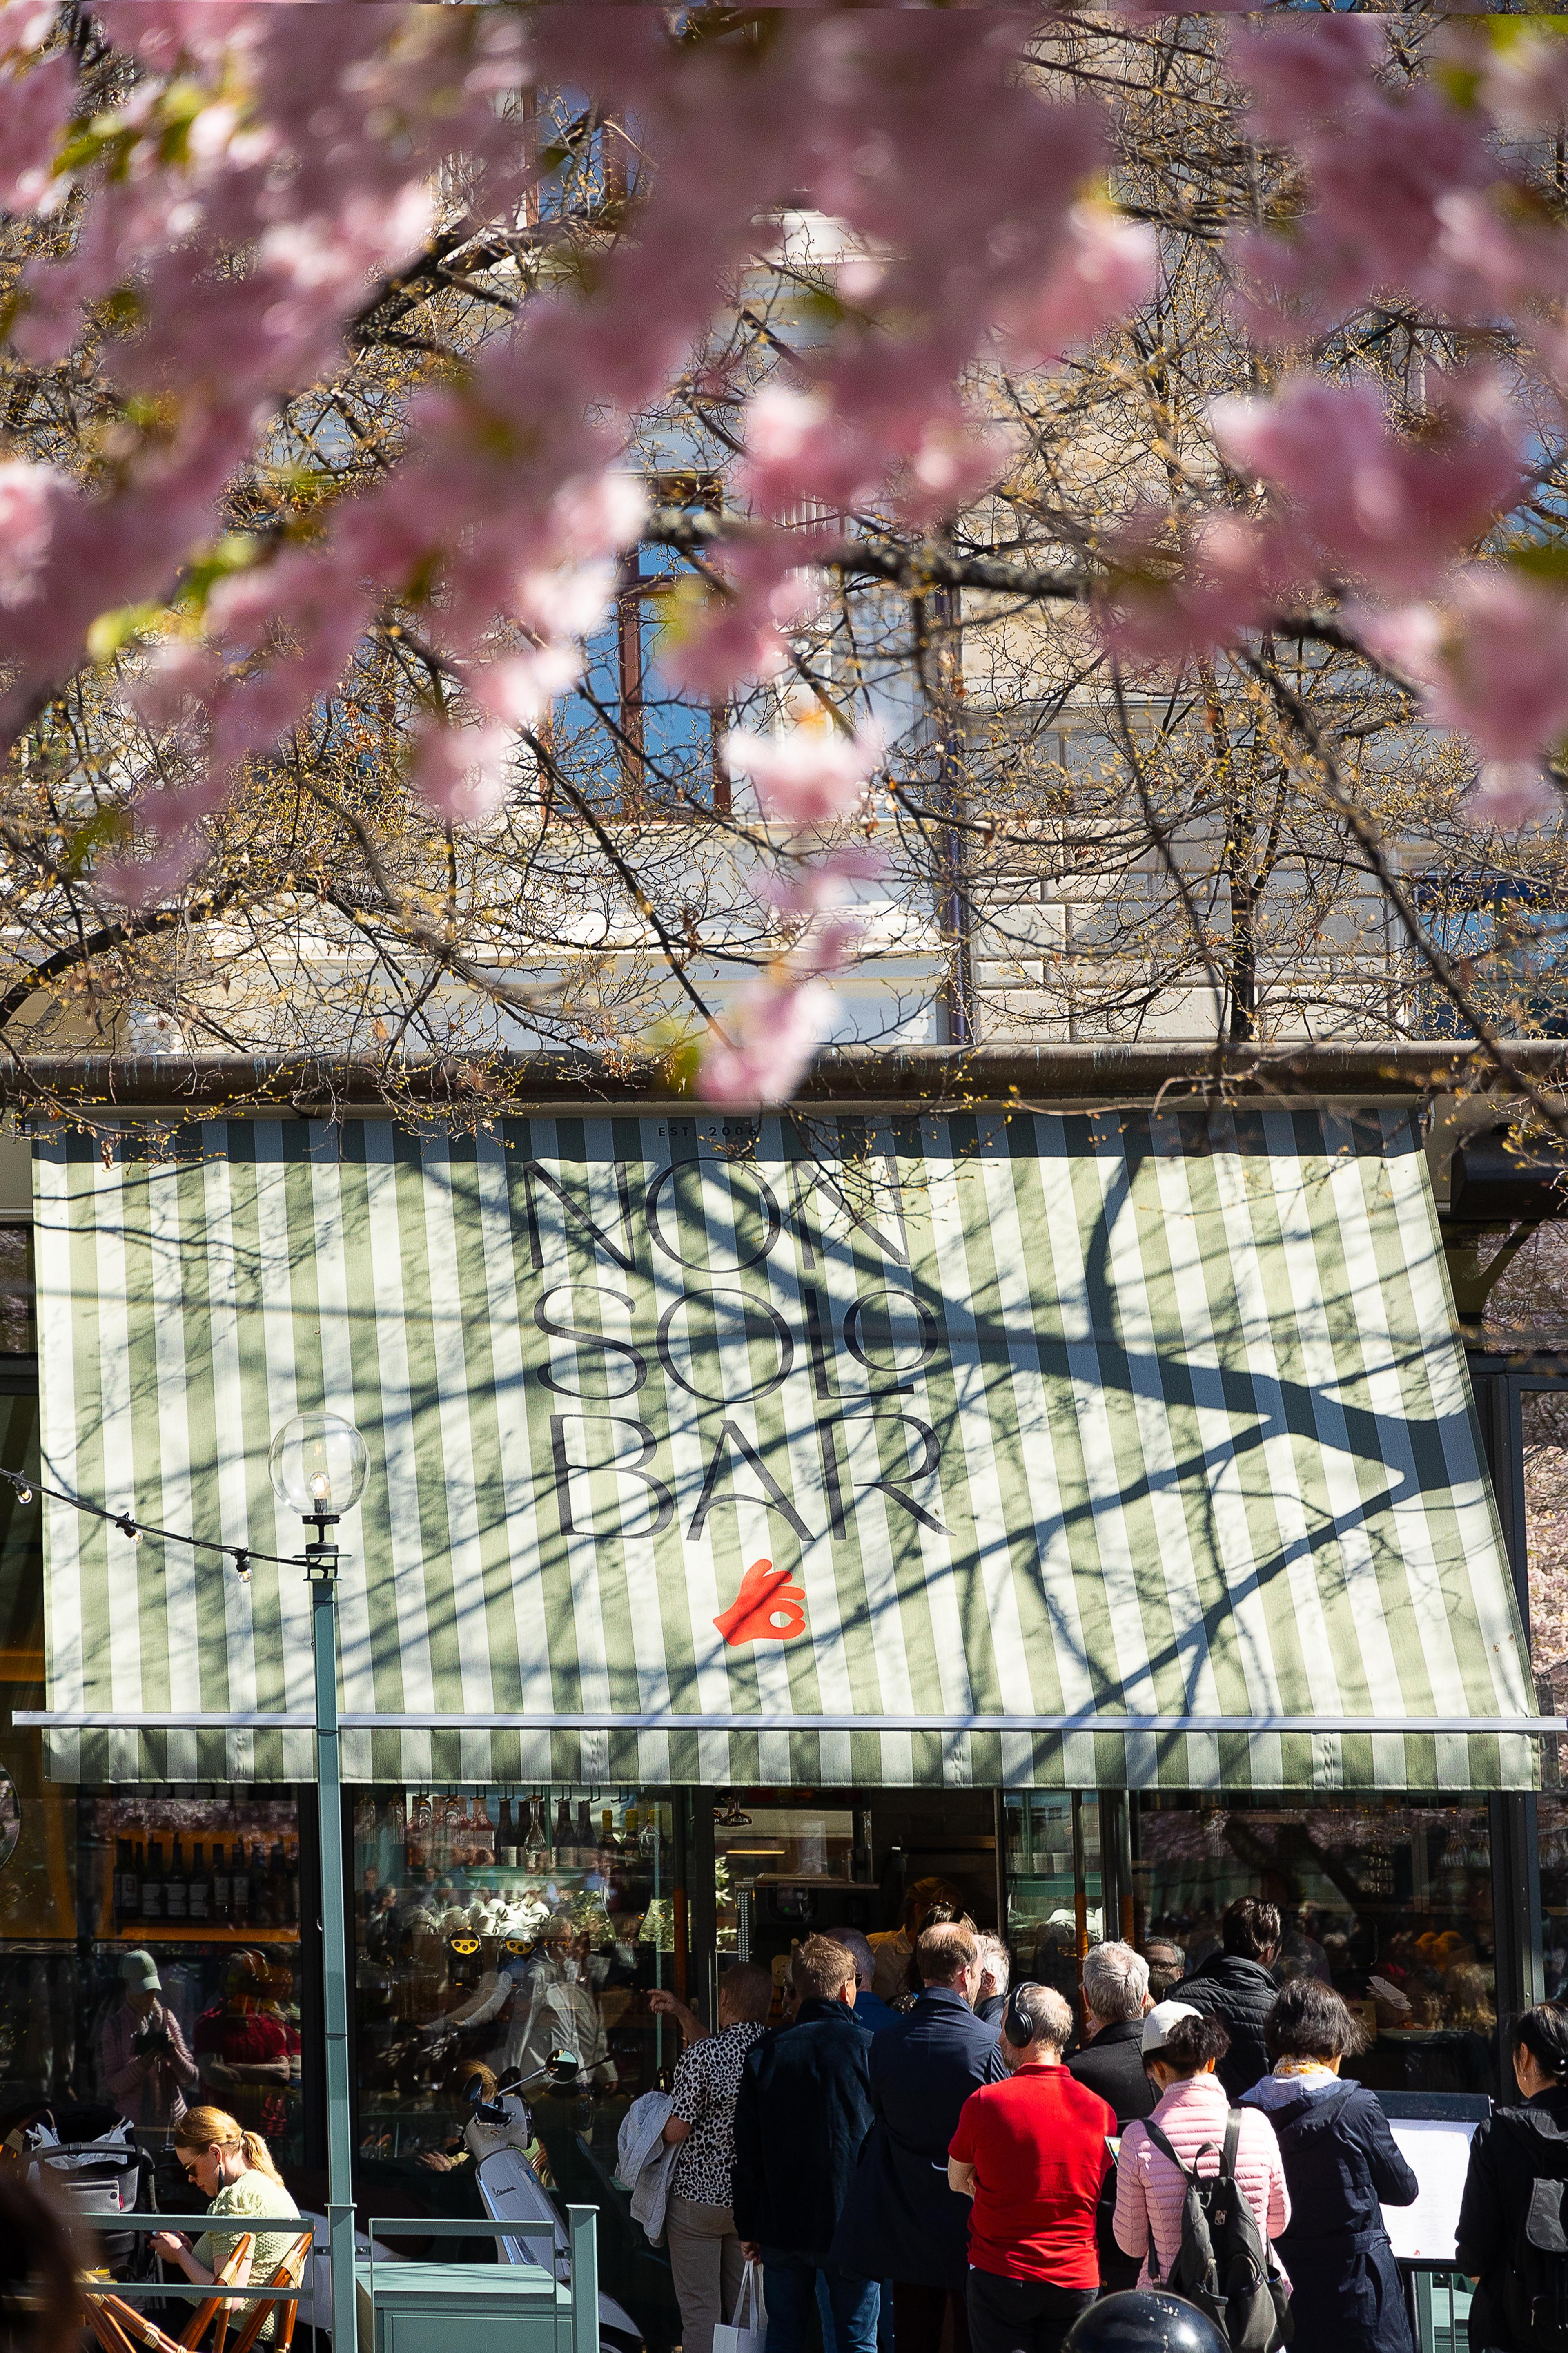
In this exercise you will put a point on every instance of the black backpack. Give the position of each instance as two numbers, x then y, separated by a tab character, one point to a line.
1535	2294
1224	2263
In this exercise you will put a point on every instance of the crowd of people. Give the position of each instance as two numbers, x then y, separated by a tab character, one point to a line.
923	2155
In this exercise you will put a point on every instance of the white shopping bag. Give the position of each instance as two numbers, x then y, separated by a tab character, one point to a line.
748	2331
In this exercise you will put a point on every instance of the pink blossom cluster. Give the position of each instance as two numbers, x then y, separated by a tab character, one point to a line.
252	193
223	226
810	776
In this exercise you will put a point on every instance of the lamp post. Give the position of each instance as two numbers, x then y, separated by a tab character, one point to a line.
318	1464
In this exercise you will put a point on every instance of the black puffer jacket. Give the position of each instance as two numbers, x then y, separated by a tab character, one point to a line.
1240	1994
1509	2152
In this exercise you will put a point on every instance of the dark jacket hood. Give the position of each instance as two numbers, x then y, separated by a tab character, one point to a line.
1545	2114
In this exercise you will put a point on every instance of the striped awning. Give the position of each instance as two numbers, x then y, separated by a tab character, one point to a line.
1014	1449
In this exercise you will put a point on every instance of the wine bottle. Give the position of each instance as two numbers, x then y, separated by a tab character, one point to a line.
566	1838
153	1884
261	1911
239	1888
198	1893
219	1904
609	1842
127	1884
506	1839
175	1888
587	1844
536	1846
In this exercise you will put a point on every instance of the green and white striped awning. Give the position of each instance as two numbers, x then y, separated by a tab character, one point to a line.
1073	1449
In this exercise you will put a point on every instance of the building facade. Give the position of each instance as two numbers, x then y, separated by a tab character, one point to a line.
1094	1508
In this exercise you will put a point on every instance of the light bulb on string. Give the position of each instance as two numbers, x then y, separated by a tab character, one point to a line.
24	1495
127	1527
242	1566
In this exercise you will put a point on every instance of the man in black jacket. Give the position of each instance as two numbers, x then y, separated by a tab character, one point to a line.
1237	1986
1116	1996
802	2110
901	2219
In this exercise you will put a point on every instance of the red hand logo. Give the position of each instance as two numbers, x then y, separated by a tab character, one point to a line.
766	1608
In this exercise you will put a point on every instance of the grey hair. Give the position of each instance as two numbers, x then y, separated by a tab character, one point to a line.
1047	2013
995	1959
1115	1981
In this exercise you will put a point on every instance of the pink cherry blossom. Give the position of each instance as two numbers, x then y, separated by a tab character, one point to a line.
1109	266
809	776
1302	75
462	771
30	499
35	110
520	688
1163	603
1509	795
771	1030
1492	661
1380	506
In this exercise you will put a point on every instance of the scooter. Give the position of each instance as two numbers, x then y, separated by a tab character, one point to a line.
497	2135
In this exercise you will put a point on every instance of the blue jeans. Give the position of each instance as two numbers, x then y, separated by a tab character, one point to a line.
884	2315
790	2286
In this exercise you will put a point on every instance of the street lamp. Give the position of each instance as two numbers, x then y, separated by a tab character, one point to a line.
317	1464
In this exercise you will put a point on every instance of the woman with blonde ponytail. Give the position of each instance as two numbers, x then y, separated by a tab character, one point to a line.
233	2170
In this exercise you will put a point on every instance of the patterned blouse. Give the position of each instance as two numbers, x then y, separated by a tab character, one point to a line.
707	2083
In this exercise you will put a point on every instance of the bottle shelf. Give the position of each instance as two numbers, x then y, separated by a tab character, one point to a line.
197	1931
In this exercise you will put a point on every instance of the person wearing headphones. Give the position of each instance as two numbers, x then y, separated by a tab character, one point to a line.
1033	2154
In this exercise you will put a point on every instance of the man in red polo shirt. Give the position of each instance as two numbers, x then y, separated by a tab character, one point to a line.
1031	2153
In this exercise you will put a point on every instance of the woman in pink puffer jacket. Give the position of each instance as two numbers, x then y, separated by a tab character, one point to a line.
1179	2047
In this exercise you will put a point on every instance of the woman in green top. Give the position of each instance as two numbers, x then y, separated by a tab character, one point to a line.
233	2170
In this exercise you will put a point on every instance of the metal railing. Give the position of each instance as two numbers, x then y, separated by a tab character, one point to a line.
296	2226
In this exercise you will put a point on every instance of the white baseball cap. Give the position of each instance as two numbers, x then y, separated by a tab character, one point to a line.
1157	2025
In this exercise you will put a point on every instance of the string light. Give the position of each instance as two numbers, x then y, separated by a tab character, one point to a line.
134	1530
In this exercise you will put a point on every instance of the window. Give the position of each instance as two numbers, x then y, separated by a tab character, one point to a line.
1390	1901
627	740
494	1927
1055	1903
1511	939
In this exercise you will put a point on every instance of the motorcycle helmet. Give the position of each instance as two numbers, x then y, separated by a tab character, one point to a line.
1143	2320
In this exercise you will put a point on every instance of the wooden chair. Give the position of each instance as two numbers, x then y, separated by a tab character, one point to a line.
117	2324
120	2327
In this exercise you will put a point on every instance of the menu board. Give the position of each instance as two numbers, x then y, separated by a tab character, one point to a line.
1438	2151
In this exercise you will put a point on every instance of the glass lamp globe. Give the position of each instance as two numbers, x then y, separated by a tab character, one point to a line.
318	1464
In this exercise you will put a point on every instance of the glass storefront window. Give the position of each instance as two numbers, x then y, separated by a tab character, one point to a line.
499	1926
1553	1816
1054	1892
208	1888
1544	1415
113	1897
1390	1902
494	1928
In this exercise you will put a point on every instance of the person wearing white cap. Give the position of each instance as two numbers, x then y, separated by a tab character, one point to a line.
144	2062
1180	2046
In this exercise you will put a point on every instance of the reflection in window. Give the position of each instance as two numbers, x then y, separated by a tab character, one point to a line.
18	1304
1545	1415
1389	1902
1511	1284
1053	1891
494	1928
